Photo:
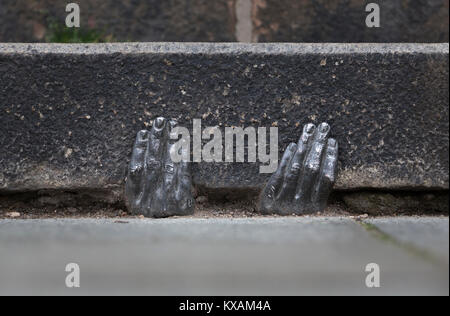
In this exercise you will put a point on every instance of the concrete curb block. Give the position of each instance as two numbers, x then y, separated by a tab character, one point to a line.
69	113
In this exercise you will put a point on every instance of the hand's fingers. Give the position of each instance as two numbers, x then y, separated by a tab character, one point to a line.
308	133
322	132
133	187
172	124
157	141
293	172
312	165
305	141
169	182
291	175
138	155
183	193
327	175
184	177
169	168
274	184
153	162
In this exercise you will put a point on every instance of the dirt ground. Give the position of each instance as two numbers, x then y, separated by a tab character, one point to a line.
205	209
21	210
209	204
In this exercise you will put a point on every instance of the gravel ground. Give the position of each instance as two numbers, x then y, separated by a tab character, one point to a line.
213	210
25	206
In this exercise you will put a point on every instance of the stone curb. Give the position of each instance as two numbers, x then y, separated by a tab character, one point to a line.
69	113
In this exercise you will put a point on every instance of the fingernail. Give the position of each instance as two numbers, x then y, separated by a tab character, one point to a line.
309	128
159	122
142	135
324	128
332	143
173	123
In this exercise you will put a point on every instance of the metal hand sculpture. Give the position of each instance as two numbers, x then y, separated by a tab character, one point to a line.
155	185
305	176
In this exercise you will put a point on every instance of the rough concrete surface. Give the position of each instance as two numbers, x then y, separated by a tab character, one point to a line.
69	113
265	256
393	203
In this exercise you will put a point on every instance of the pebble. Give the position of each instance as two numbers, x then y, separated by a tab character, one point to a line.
13	214
72	210
201	199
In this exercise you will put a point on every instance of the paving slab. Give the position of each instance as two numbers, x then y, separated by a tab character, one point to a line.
430	234
189	256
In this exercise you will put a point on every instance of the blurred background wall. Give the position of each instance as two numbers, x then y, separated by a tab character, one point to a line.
226	20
